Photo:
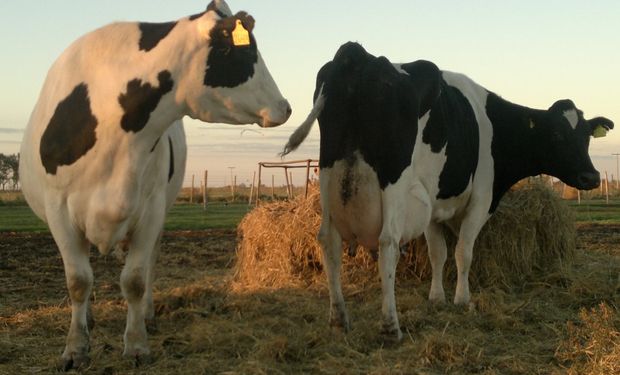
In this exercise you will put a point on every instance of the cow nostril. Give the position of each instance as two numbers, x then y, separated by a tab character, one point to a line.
289	110
589	179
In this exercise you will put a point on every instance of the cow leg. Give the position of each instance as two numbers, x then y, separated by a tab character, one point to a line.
135	281
437	253
147	303
388	259
331	245
74	249
463	255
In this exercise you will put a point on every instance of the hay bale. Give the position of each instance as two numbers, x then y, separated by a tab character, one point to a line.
532	230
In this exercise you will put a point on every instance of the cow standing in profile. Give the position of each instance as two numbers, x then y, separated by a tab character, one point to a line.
407	149
104	152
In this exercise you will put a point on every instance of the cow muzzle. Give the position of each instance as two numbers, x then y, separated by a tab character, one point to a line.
271	117
588	180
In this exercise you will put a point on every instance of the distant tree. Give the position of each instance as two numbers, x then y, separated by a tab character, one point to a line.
9	171
13	162
5	171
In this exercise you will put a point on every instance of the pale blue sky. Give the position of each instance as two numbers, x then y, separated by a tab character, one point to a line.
530	52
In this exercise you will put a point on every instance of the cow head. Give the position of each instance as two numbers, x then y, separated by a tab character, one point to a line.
566	155
227	80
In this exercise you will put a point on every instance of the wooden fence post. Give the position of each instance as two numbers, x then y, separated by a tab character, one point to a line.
204	192
191	192
260	171
273	188
234	188
606	189
288	185
307	177
252	189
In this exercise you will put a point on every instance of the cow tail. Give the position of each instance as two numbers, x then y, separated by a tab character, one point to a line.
302	131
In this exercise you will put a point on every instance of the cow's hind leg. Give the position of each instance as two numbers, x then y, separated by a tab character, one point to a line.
437	253
463	254
136	278
388	259
147	301
74	249
331	244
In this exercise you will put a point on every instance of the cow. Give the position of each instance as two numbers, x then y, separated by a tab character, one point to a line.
407	149
103	154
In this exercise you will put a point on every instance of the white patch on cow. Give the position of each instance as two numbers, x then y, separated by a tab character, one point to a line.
572	117
358	217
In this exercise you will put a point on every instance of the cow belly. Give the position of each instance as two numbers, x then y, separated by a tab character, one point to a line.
354	200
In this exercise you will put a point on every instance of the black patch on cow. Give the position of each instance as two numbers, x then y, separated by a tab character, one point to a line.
196	16
70	132
155	144
452	124
370	108
213	7
171	167
512	148
153	33
229	65
142	99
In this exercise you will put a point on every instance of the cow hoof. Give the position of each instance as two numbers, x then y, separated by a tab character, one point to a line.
340	326
461	301
140	357
74	361
391	335
339	321
437	299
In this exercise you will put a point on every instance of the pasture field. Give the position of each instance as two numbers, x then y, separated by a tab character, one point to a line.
555	323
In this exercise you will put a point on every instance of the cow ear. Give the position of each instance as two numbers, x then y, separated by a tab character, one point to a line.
562	105
246	20
220	7
599	126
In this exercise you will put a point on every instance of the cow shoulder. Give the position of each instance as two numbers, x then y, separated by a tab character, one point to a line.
140	99
452	126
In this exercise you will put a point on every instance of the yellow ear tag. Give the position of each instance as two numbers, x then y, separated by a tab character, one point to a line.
532	125
599	131
241	37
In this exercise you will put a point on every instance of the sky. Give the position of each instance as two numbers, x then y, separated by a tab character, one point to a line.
530	52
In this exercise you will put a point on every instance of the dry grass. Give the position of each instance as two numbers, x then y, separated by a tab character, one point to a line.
593	343
553	323
531	231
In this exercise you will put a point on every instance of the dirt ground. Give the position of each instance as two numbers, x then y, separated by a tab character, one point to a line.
564	322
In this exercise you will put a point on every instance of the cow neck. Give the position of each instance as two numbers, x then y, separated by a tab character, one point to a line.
516	146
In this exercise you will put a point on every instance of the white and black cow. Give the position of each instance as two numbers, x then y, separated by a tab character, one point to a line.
407	148
103	155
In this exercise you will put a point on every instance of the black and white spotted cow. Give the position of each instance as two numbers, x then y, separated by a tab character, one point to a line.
103	155
407	148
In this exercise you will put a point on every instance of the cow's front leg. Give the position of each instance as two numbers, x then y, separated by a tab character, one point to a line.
437	254
388	259
331	245
74	249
